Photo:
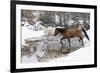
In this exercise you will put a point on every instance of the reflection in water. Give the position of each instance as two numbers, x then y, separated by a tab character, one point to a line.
46	49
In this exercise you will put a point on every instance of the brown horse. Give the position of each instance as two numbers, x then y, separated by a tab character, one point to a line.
69	33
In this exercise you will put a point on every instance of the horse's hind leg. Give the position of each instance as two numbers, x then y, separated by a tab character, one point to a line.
81	38
69	45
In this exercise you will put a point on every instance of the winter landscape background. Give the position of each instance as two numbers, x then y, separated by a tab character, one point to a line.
38	41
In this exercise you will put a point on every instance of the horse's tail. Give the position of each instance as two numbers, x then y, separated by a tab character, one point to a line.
86	35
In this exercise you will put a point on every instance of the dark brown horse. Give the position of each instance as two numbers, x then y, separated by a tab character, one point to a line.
70	33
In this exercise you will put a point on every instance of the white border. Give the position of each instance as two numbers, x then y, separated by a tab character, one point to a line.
50	64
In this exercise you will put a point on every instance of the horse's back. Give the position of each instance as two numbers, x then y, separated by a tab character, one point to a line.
73	32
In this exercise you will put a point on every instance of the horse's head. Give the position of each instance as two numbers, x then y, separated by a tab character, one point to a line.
56	32
59	30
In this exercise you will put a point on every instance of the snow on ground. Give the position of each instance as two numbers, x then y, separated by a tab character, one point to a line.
26	33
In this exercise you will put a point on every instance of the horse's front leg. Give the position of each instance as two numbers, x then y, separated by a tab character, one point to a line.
61	41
